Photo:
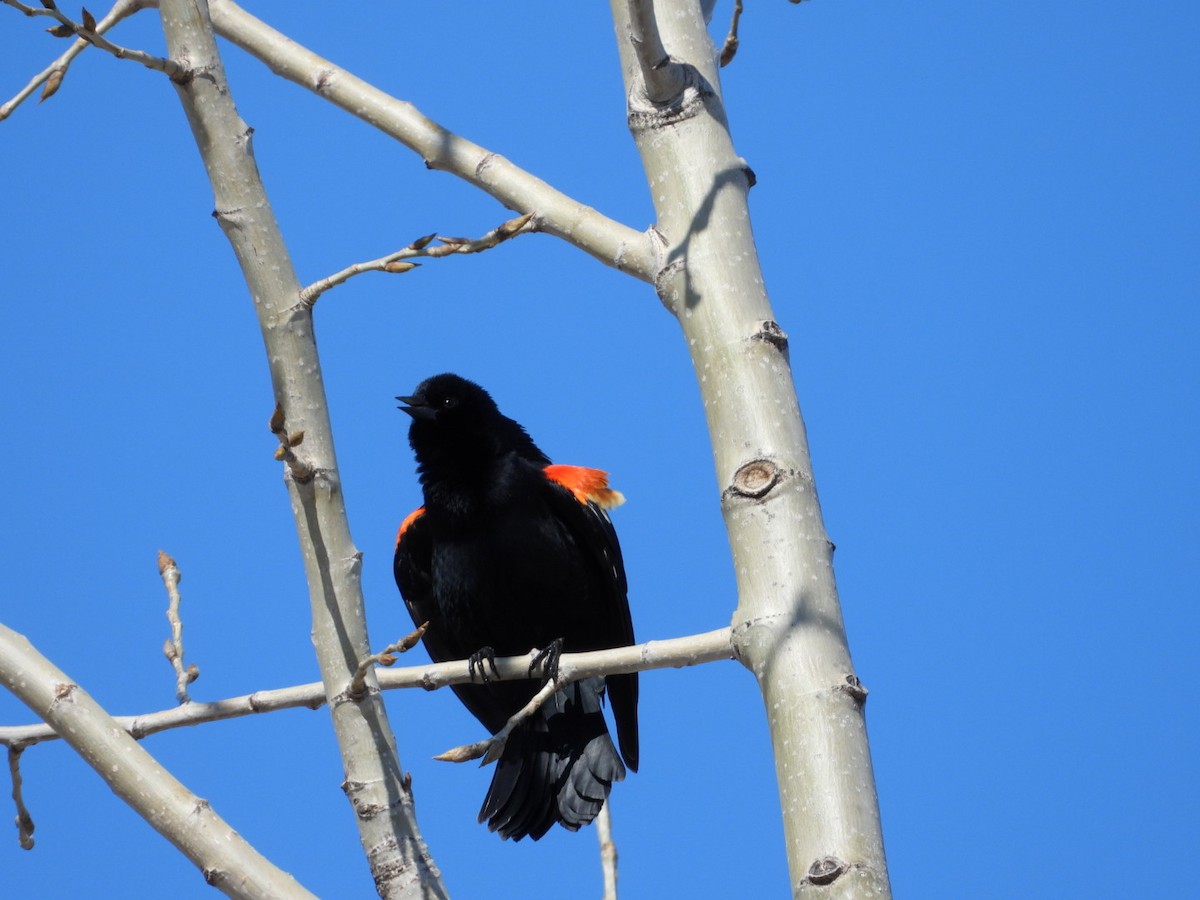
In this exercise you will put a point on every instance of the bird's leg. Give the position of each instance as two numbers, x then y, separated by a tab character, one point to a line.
478	660
547	658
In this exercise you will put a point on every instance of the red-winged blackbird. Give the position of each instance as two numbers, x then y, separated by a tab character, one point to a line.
508	553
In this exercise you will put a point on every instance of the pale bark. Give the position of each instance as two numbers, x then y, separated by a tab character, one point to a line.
701	258
400	861
788	625
223	856
609	241
673	653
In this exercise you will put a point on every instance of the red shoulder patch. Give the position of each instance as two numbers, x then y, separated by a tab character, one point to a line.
588	485
407	523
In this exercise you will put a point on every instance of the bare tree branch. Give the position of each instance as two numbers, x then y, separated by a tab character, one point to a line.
173	649
788	626
385	657
52	76
384	814
608	850
730	48
227	861
89	31
611	242
421	247
491	748
24	820
662	76
691	650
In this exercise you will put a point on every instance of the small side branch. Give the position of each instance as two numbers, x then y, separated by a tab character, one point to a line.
397	262
24	820
173	648
730	47
51	77
89	30
491	748
608	851
565	217
664	77
385	657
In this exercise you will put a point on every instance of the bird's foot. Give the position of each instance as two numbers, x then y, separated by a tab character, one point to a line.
547	658
478	661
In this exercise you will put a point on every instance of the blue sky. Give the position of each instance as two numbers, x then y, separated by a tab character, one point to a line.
978	224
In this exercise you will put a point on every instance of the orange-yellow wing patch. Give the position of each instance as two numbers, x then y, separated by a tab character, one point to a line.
586	484
408	520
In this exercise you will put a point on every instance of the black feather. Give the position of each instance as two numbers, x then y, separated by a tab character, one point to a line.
503	556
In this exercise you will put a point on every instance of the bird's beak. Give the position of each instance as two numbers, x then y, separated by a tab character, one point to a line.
415	407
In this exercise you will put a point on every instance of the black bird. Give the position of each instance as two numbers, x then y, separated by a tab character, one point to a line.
510	552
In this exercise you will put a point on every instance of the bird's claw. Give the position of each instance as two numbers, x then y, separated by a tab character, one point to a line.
547	658
478	661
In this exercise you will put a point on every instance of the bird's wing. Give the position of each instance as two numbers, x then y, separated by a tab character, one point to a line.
491	704
579	497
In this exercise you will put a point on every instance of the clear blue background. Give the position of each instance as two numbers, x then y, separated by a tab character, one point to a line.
978	223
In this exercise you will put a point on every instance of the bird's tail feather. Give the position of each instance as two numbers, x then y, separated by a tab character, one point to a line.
558	766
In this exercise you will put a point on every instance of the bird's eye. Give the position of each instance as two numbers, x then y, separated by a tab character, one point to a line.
449	402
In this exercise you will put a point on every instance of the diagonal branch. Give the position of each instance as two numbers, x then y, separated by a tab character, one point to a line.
396	263
491	748
88	30
53	74
226	859
611	242
664	77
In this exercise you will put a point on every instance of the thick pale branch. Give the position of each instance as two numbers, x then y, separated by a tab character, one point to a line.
663	77
609	241
227	861
383	808
53	74
788	627
672	653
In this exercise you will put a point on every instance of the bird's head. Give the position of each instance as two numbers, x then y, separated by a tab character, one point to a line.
448	402
455	420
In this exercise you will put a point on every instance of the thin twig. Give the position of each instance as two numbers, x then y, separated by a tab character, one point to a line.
385	657
52	76
491	748
24	820
173	648
89	30
612	242
396	262
730	47
673	653
608	850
